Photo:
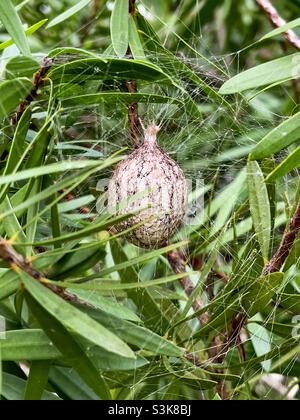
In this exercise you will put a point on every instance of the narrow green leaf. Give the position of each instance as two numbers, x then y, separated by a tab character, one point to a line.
279	70
115	97
135	43
31	30
261	339
74	319
279	138
39	148
47	169
12	225
37	380
107	68
107	305
278	31
18	144
119	27
13	389
68	382
28	345
69	347
21	66
287	165
13	25
136	335
259	206
260	293
8	284
68	13
12	92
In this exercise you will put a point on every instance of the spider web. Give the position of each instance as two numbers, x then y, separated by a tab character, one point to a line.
207	149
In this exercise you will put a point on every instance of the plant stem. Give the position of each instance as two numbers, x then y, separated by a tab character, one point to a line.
17	262
286	244
37	81
177	262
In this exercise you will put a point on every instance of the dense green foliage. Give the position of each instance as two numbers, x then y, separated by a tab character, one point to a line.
114	321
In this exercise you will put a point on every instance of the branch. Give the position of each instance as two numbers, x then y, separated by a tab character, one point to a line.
37	81
17	262
277	21
177	262
133	115
286	244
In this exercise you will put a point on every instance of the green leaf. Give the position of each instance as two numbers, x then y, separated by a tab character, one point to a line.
68	13
259	207
119	27
261	339
68	382
278	31
74	320
136	335
115	97
18	143
259	294
39	147
12	225
28	31
12	93
279	70
37	380
89	230
69	347
113	285
47	169
13	25
279	138
21	66
8	284
291	162
13	389
135	43
107	68
107	305
28	345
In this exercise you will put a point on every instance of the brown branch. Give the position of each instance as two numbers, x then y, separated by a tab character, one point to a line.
286	244
177	262
37	81
133	115
273	266
277	22
17	262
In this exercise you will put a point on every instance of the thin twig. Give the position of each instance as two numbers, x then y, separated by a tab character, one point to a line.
277	21
133	115
17	262
37	81
286	244
177	262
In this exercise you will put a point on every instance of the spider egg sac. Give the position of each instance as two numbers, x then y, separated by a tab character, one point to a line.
151	185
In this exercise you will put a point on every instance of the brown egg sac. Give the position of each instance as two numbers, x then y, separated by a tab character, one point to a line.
151	185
